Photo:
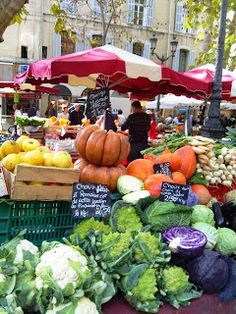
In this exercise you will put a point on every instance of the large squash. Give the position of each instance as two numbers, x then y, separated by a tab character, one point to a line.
108	176
188	160
140	168
100	147
154	182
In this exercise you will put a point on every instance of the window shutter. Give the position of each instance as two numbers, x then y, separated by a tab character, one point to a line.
147	50
149	13
110	40
96	9
131	6
175	64
80	44
191	58
56	44
179	18
88	38
129	46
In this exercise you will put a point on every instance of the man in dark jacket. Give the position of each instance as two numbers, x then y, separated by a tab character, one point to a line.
76	116
138	124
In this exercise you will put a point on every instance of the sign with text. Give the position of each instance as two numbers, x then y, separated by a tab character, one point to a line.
163	168
97	102
90	200
176	193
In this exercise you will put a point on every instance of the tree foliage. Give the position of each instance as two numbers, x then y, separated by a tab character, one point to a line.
204	15
108	15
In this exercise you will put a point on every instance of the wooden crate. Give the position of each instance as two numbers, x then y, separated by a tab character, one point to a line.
20	189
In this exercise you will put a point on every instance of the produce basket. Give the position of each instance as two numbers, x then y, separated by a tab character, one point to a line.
57	183
43	220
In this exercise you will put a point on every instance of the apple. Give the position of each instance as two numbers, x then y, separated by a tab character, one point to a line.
30	144
37	183
21	156
21	139
43	149
10	161
62	159
48	160
1	153
10	147
33	157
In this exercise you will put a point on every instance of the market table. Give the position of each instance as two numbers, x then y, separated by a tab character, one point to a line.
207	304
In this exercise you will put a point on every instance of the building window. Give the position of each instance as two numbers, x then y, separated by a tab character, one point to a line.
67	44
138	48
180	16
140	12
183	60
69	6
24	52
44	52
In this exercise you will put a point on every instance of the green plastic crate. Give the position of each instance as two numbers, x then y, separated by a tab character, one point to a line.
44	220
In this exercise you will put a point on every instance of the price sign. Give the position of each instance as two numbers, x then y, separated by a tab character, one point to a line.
97	102
90	200
176	193
5	137
163	168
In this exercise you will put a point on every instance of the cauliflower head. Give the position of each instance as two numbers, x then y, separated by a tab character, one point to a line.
66	266
175	280
128	220
146	287
24	245
83	306
151	242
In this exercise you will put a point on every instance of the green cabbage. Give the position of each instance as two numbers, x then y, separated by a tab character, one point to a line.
209	231
202	213
163	215
226	242
127	184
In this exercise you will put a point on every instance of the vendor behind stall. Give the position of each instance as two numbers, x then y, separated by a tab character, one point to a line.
75	116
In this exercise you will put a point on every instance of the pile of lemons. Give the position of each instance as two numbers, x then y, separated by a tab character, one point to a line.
29	151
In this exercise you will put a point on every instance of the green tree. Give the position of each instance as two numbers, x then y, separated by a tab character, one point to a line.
108	16
11	11
204	15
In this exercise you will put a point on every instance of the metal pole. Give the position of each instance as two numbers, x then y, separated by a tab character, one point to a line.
213	127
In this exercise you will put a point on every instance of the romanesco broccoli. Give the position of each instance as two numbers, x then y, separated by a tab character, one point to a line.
83	228
175	280
146	248
120	243
127	219
146	288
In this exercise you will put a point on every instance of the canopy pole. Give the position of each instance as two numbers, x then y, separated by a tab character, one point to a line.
213	127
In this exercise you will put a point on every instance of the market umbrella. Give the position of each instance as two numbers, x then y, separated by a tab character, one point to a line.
206	73
110	67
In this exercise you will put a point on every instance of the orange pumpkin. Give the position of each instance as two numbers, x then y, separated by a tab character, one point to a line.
149	157
174	160
140	168
100	147
108	176
178	177
154	182
188	160
202	193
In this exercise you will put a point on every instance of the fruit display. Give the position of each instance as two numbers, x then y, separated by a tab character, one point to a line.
29	151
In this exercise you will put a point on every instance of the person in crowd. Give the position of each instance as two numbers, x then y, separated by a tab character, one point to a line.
153	126
51	110
110	120
160	122
18	111
138	123
169	120
76	115
32	111
64	114
121	117
176	119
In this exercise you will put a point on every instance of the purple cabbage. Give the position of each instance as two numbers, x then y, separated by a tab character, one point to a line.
185	240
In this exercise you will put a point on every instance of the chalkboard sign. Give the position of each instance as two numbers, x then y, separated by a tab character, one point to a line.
97	102
90	200
176	193
163	168
5	137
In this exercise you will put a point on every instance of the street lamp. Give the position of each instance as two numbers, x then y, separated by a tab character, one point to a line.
163	59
